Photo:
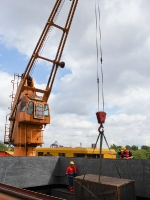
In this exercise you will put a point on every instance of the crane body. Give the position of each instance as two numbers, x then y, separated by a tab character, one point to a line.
29	111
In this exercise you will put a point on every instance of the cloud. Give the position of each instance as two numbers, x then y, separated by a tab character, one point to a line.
73	102
5	89
5	101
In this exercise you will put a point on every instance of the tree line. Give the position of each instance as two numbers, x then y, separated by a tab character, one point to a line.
142	153
4	147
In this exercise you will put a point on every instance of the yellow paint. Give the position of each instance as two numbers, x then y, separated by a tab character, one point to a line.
74	152
10	152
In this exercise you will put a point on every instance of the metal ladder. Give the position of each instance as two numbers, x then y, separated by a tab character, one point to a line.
15	83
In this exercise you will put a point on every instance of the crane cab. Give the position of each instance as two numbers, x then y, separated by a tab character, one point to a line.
31	117
33	110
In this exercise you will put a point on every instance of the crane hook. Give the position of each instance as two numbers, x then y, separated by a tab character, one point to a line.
101	116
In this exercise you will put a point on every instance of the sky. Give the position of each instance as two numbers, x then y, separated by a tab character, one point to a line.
125	42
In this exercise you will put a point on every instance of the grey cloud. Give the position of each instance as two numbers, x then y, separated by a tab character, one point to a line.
125	43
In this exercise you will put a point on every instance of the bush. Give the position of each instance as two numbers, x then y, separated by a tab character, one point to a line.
3	147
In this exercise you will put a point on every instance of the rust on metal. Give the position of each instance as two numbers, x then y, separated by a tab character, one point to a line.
6	197
101	116
94	187
17	193
105	180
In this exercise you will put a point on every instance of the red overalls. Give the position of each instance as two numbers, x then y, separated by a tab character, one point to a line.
125	154
71	172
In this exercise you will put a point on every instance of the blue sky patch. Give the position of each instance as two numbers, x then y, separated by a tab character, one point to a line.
12	61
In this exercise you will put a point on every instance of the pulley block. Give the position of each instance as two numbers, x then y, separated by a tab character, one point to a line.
101	116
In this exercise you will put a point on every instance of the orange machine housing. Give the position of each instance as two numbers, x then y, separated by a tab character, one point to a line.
31	116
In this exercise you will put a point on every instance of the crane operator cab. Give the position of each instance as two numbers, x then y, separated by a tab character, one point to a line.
32	115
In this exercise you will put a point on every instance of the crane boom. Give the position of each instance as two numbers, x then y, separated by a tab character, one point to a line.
27	115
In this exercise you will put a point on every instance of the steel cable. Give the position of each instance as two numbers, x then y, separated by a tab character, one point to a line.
97	56
88	167
98	49
101	133
101	59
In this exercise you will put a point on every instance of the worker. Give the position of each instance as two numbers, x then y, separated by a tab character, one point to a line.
71	172
124	153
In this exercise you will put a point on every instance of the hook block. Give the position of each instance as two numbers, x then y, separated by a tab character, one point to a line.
101	116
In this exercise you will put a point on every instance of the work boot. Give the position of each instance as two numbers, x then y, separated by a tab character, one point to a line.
68	187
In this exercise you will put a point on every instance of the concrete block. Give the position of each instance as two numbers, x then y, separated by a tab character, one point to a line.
25	172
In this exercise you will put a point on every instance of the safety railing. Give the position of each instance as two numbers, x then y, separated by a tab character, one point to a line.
15	83
7	128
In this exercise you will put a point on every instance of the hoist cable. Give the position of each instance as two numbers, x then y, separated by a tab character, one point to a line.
101	60
97	50
100	162
101	132
97	55
114	161
100	31
100	49
88	166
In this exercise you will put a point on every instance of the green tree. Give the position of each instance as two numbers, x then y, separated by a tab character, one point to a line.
11	148
144	147
3	147
135	148
116	148
139	154
143	153
128	147
148	155
113	146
